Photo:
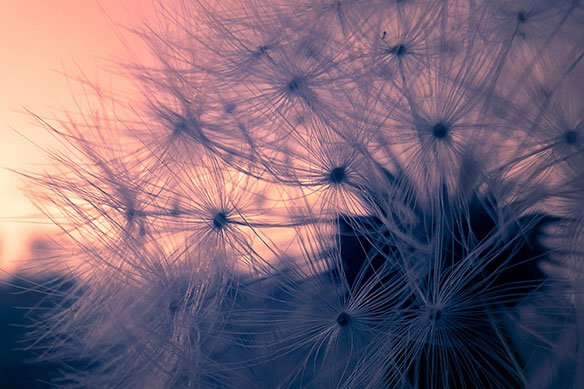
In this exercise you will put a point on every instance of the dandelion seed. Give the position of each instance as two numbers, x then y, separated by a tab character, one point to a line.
219	220
398	50
521	17
338	175
440	130
571	137
343	319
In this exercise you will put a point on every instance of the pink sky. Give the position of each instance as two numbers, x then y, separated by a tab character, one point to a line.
40	40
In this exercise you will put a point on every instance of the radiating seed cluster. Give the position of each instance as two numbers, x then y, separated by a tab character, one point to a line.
331	194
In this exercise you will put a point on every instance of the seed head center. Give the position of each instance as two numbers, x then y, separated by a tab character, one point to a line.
219	220
343	319
440	130
338	175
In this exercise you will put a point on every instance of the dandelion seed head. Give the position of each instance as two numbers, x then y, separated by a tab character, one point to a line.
343	319
571	137
295	85
434	314
130	214
229	108
338	175
331	194
180	128
220	220
398	50
440	130
521	17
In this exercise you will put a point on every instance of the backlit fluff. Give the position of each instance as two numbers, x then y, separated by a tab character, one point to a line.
350	194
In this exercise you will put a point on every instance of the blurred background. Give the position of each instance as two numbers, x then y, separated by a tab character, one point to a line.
44	47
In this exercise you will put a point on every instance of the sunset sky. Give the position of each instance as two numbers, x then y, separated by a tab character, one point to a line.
41	43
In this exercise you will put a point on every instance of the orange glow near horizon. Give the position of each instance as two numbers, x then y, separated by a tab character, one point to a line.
42	43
